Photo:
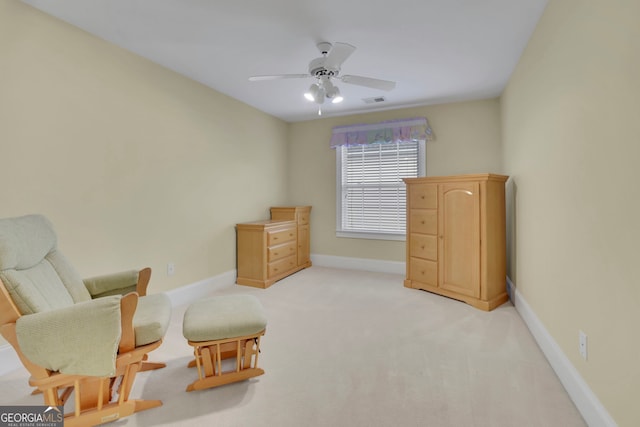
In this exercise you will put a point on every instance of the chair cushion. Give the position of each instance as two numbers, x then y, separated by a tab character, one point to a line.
69	276
152	318
37	275
25	241
28	293
222	317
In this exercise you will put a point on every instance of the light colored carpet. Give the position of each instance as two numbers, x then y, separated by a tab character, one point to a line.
353	348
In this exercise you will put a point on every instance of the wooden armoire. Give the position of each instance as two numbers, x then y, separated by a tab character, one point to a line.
456	237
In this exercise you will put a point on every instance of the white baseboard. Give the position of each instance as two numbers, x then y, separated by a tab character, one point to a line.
189	293
366	264
590	407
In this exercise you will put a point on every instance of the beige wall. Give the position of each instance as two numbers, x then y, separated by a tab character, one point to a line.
571	138
134	164
138	166
467	140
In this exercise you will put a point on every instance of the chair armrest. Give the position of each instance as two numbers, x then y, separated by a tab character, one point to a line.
128	306
81	339
120	283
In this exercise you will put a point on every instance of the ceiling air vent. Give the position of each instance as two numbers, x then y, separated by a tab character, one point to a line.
374	100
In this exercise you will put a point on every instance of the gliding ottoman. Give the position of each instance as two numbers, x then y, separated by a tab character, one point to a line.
226	328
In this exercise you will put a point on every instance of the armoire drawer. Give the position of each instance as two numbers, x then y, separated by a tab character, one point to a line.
424	221
423	196
423	246
423	271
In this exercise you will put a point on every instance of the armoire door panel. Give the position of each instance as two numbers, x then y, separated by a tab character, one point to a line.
459	237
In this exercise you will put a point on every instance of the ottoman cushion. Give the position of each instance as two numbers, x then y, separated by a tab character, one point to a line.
223	317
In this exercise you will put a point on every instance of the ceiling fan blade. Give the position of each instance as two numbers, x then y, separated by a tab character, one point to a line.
277	77
337	55
369	82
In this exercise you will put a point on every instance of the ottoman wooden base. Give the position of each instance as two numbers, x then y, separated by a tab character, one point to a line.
210	354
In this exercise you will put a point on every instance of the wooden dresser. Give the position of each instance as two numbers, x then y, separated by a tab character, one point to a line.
456	237
299	214
272	249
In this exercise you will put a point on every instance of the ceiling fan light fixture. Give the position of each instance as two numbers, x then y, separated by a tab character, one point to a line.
316	93
312	93
333	93
336	98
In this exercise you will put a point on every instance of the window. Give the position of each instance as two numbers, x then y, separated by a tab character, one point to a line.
371	161
371	196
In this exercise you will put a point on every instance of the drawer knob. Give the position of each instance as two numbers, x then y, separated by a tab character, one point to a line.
422	222
275	253
422	197
422	247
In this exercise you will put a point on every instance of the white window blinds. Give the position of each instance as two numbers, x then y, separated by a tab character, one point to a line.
372	193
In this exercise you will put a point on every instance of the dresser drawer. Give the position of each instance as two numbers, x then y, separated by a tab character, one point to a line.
281	266
423	271
303	218
423	196
299	214
278	237
423	246
277	252
423	221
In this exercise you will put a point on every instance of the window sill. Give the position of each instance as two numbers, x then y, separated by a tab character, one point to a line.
371	235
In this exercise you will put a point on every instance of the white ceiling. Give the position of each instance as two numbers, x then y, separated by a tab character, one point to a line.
435	50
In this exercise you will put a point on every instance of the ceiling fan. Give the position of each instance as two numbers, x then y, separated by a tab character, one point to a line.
326	68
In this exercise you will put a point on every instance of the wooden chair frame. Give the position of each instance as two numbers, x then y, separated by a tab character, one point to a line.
210	354
97	400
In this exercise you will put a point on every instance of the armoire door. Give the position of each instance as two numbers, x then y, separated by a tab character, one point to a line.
459	237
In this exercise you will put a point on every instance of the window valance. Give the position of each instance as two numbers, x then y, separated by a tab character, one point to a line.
404	130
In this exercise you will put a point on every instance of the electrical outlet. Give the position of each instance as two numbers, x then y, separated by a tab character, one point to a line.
171	269
582	344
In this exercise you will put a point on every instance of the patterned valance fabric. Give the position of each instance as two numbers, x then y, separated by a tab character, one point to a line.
404	130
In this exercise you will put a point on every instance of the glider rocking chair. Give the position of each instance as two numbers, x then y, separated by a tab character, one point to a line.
81	338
